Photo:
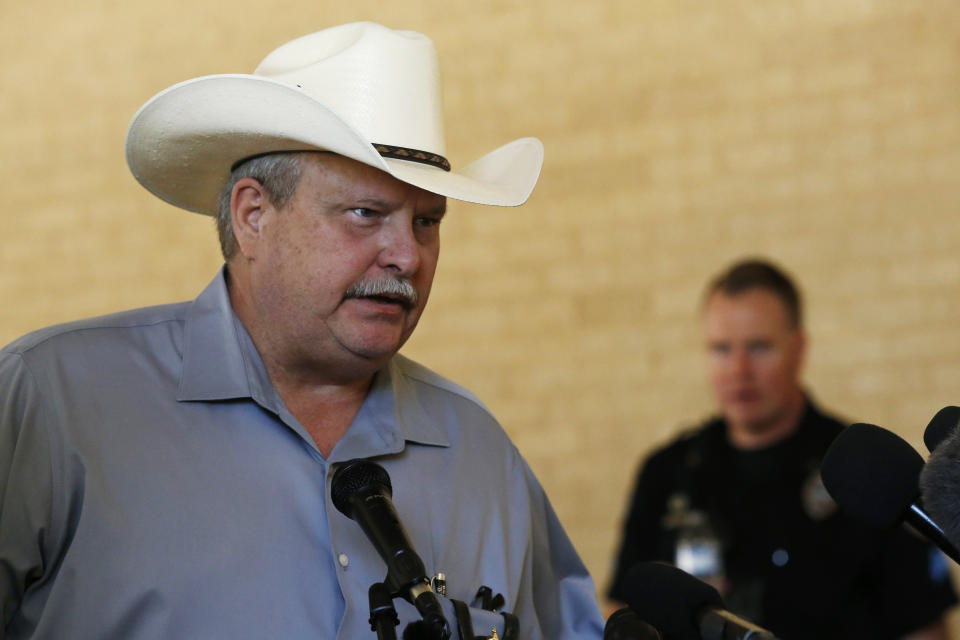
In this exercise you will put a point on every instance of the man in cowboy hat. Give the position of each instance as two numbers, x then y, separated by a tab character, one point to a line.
166	472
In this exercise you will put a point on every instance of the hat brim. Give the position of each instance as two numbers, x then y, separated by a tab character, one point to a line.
183	143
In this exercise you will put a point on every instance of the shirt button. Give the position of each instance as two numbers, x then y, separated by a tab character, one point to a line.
780	557
343	560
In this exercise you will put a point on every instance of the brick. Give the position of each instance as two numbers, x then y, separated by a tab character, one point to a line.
679	136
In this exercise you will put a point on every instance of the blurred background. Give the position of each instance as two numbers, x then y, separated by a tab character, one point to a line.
680	135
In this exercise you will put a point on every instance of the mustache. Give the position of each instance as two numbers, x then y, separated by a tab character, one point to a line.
398	288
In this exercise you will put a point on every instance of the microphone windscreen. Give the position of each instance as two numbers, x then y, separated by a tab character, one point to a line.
873	474
669	598
354	476
942	425
625	624
416	630
940	487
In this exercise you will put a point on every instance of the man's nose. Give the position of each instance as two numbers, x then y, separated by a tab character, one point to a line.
399	249
740	363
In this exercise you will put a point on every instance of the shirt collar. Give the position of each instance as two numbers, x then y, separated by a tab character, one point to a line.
214	366
392	415
221	362
411	405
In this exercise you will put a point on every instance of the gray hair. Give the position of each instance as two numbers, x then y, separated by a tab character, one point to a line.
279	173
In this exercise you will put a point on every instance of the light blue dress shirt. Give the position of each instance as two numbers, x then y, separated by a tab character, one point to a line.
153	485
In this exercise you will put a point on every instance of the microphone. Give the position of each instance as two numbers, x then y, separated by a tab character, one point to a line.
940	485
874	476
684	607
942	425
361	490
625	624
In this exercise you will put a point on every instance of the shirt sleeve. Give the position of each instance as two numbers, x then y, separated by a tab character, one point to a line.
640	538
564	596
25	485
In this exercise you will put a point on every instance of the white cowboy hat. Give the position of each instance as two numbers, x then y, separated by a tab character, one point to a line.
360	90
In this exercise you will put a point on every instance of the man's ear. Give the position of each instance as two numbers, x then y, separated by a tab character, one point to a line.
248	200
801	347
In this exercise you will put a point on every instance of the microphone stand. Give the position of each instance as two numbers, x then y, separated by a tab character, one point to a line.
925	526
383	615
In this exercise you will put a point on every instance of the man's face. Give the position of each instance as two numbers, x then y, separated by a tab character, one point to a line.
755	358
348	224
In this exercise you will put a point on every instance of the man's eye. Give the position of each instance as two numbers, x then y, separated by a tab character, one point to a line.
363	212
427	221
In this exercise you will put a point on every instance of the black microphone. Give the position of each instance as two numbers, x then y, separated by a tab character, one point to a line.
942	425
625	624
940	486
874	476
361	490
683	607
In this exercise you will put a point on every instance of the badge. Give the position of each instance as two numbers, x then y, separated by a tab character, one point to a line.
816	502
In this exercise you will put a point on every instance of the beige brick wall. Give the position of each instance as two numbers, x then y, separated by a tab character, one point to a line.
679	136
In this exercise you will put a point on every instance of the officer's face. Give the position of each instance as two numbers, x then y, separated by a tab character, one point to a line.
755	357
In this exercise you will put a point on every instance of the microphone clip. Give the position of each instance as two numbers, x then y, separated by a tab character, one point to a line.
383	615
